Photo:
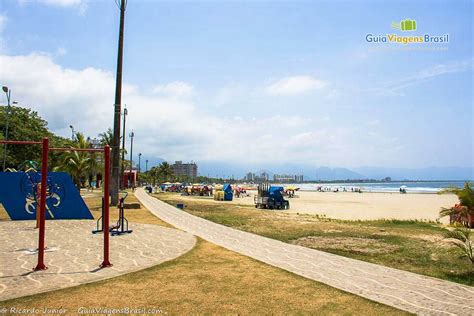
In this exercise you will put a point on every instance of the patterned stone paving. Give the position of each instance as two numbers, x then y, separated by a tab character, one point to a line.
74	254
404	290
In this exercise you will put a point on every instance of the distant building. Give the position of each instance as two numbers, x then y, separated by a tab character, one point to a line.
299	178
250	176
387	179
263	177
286	178
185	169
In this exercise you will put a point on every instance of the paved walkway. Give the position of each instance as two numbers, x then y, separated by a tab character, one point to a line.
74	254
404	290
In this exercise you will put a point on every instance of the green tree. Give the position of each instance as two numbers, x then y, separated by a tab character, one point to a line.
461	238
25	124
465	208
107	137
78	164
165	171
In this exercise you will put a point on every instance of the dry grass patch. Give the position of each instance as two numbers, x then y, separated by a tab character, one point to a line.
410	245
353	244
210	280
207	280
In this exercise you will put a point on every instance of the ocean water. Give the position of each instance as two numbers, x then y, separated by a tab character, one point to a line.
411	187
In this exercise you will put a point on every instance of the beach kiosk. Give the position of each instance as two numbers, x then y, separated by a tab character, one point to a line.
223	192
228	194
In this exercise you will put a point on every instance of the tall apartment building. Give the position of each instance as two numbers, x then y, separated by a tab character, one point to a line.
185	169
250	176
286	178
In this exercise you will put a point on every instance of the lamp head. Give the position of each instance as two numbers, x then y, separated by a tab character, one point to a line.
5	89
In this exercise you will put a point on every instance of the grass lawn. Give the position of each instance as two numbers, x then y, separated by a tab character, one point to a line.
207	280
408	245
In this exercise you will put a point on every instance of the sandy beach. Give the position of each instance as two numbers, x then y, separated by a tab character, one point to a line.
365	206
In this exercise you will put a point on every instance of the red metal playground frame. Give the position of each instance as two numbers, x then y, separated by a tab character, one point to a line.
44	174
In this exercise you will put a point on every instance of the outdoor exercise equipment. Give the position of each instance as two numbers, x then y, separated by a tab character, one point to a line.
121	226
99	226
43	194
122	222
270	197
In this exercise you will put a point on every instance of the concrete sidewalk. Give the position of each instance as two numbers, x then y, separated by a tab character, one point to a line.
401	289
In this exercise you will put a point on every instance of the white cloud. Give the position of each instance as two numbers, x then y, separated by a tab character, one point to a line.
3	22
61	51
176	128
396	87
81	5
294	85
175	88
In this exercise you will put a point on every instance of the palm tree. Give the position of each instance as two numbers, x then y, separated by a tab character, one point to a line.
461	238
154	175
78	164
464	210
106	138
165	171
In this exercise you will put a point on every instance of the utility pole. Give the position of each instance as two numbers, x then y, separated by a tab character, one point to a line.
132	134
114	185
138	174
125	113
8	93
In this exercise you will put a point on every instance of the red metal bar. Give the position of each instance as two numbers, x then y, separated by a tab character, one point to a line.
19	142
106	262
78	149
44	177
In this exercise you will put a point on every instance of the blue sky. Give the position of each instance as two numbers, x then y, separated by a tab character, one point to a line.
254	82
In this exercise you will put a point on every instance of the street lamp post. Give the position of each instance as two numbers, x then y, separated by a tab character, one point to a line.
132	134
125	113
139	165
8	93
73	132
146	165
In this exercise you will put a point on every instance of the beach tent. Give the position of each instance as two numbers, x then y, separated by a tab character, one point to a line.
228	194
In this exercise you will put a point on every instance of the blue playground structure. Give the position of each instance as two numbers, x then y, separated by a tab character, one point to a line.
18	195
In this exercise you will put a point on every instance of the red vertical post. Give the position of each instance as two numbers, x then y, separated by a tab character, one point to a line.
44	183
106	262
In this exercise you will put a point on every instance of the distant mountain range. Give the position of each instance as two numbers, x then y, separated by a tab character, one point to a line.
331	174
429	173
326	173
238	171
